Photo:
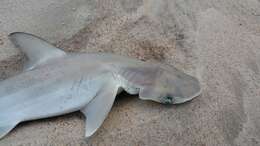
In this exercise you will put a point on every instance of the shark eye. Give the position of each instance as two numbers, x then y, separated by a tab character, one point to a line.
168	100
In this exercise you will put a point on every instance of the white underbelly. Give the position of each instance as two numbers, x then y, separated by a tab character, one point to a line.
47	100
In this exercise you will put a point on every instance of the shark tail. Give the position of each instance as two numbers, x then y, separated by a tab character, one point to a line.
6	127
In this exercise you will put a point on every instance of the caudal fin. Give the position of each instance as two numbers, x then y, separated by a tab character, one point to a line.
6	127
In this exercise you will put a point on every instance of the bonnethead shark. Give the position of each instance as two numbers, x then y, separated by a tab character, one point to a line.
55	82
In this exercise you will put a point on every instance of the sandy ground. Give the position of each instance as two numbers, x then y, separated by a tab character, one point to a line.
217	41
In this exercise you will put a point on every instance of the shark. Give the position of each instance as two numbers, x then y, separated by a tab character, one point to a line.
54	82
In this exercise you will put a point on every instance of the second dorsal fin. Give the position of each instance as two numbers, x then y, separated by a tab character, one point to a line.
36	49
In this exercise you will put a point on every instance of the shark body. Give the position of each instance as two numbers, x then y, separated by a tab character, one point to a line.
55	82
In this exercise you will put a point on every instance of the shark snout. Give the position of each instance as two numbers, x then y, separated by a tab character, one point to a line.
187	90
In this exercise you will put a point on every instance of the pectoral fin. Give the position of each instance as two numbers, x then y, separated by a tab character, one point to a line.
6	126
98	108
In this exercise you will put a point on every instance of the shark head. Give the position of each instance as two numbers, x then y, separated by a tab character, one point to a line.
171	86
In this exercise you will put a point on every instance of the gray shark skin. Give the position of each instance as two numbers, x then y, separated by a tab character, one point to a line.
55	82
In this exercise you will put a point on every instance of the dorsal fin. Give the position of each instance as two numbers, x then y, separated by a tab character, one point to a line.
36	49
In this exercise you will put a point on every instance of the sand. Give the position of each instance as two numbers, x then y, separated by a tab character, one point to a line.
216	41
